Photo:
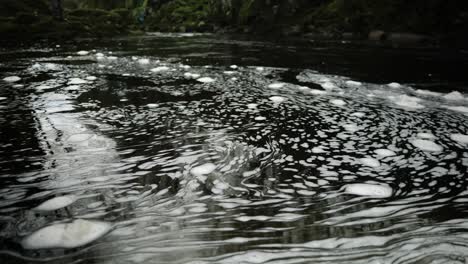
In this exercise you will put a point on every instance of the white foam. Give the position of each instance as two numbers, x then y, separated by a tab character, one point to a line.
191	75
407	101
12	79
206	80
426	92
460	138
43	87
317	92
328	86
252	106
259	69
370	162
371	190
70	235
233	67
454	96
318	150
425	136
338	102
462	109
112	58
152	105
91	78
56	203
426	145
394	85
277	99
144	61
384	152
72	88
203	169
82	52
160	69
353	83
358	114
75	81
276	85
2	98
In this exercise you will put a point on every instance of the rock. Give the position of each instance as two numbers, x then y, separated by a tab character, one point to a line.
377	35
294	30
348	35
407	38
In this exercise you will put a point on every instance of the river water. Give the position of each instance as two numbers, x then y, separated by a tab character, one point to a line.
182	148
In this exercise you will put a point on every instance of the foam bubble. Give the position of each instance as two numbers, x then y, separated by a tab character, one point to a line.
338	102
75	81
12	79
317	92
68	235
407	101
56	203
82	52
426	92
353	83
371	190
454	96
384	152
371	162
328	86
160	69
460	138
358	114
394	85
206	80
462	109
425	136
277	99
426	145
144	61
276	85
203	169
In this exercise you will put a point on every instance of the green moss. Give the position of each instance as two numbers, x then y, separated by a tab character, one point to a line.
181	15
13	7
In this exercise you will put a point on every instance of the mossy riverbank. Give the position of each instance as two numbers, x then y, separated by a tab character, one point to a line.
418	20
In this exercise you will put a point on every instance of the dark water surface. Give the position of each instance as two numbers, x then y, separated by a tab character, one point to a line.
174	148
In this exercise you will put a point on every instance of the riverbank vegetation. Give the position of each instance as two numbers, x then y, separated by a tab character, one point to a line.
361	19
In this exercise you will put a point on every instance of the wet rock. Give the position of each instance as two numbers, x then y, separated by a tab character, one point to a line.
377	35
407	38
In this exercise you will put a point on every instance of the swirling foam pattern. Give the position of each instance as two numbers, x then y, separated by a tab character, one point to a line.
248	167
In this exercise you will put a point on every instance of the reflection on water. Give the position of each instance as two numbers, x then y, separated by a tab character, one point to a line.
146	156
